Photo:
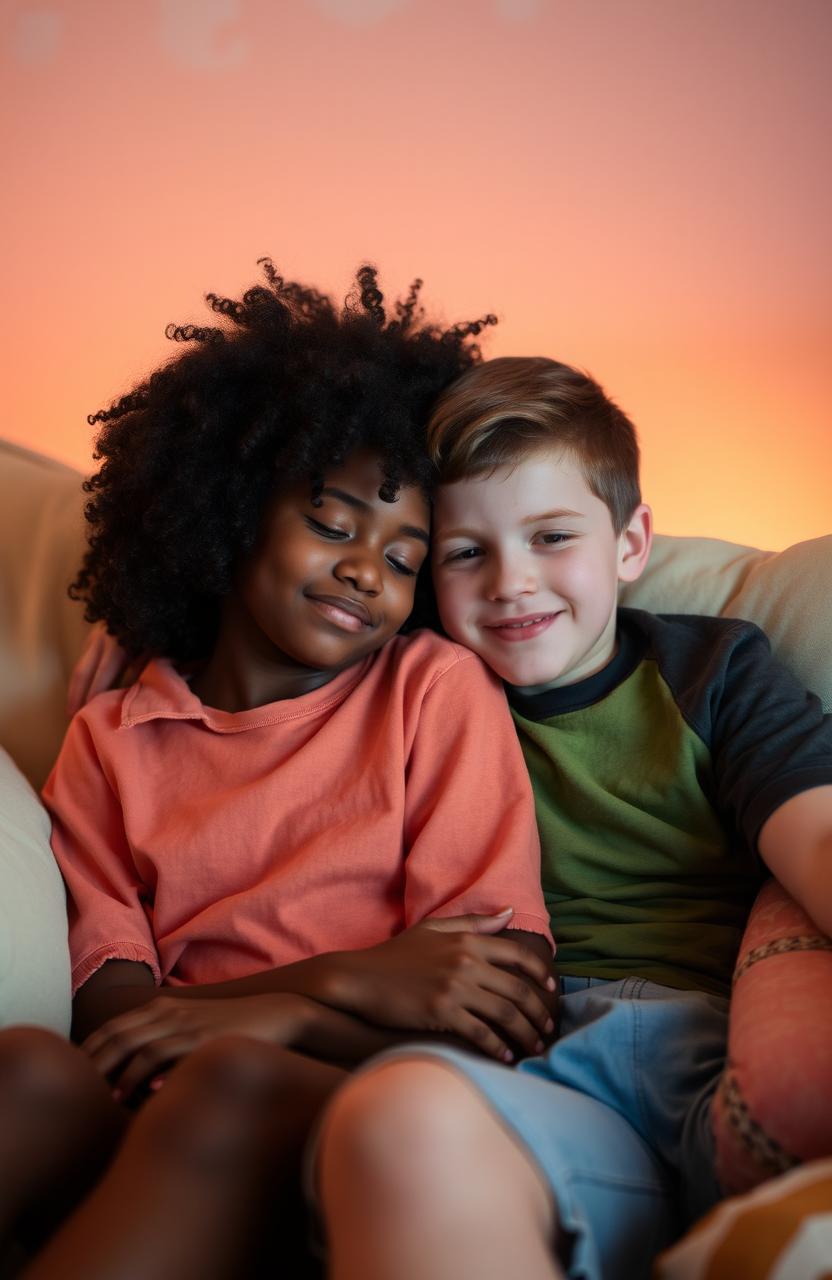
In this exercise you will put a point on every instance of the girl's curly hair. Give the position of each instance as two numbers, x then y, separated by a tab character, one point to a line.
285	388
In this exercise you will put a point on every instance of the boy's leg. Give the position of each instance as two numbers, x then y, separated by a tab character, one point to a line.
420	1181
58	1128
574	1113
200	1174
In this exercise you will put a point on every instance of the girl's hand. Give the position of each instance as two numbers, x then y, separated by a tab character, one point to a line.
451	976
103	665
134	1047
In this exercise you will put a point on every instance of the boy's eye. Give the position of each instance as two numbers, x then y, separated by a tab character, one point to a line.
464	553
325	530
552	539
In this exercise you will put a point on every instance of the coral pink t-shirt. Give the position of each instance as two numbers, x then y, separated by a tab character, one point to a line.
210	845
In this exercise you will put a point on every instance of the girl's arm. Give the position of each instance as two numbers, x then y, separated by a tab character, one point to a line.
445	976
139	1045
117	987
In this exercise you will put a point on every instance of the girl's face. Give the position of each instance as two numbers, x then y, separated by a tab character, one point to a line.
332	581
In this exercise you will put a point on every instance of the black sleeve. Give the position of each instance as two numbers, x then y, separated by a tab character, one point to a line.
768	737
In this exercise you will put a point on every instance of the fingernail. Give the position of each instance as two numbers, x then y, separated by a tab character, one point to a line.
118	1096
538	1048
550	1026
550	984
505	911
508	1056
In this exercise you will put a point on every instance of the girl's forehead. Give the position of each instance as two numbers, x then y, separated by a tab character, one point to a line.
357	487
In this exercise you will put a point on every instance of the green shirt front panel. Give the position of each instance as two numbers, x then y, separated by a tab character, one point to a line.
648	855
667	900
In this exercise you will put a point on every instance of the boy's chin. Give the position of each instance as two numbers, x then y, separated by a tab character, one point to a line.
526	674
531	679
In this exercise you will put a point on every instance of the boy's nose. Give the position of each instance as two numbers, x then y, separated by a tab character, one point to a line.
511	578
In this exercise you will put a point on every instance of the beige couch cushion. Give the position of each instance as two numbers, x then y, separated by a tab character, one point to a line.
41	629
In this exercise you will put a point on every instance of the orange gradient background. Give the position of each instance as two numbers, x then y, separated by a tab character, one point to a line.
641	187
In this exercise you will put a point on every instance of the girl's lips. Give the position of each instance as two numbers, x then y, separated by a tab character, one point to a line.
518	629
349	615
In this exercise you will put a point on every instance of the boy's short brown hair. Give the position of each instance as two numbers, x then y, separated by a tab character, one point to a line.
498	412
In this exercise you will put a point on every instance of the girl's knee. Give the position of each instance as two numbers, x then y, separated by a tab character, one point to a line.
213	1111
234	1069
39	1068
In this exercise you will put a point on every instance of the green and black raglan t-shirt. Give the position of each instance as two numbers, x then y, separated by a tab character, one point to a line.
652	780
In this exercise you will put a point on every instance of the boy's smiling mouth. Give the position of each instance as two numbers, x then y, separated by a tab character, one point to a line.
525	628
343	611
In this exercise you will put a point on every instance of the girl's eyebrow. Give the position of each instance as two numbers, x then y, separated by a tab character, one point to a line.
412	531
409	530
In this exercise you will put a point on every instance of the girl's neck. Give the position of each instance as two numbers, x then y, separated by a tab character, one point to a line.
235	680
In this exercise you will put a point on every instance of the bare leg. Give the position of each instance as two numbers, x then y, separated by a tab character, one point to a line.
200	1173
58	1128
420	1181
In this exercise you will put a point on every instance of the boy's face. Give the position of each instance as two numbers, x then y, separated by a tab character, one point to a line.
526	565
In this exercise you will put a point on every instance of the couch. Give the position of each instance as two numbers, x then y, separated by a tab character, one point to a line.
789	594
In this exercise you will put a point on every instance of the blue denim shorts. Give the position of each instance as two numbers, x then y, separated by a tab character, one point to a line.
616	1116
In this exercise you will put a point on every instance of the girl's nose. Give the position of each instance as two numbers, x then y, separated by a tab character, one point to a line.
361	570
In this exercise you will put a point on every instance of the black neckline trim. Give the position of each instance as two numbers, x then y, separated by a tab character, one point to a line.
632	643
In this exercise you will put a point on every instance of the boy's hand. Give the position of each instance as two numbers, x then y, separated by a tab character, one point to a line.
134	1047
451	976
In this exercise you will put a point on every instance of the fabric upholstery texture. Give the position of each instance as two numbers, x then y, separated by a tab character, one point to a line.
41	629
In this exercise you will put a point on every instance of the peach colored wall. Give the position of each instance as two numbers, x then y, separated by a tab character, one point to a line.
638	186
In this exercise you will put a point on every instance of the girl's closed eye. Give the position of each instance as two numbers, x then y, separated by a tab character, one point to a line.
335	534
401	566
326	530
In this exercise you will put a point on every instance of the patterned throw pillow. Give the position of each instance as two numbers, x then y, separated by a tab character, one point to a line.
781	1231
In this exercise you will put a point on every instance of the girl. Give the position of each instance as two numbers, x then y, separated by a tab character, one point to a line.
270	841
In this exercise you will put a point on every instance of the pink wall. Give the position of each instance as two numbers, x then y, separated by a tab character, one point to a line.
638	186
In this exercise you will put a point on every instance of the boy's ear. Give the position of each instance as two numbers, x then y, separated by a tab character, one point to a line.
634	544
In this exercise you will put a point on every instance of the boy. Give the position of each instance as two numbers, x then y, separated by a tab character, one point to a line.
668	755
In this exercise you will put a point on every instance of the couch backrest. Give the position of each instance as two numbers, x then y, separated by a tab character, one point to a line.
41	629
788	594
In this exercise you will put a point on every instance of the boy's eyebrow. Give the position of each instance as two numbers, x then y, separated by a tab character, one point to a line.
546	515
410	530
552	515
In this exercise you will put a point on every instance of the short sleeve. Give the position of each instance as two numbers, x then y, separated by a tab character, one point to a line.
770	737
470	832
107	901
